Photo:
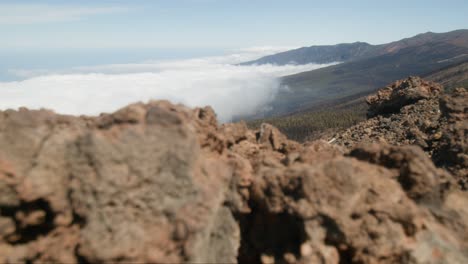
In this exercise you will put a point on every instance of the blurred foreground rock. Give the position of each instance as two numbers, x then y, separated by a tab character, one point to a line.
163	183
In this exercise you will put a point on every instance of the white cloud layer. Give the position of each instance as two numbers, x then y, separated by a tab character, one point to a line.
216	81
23	14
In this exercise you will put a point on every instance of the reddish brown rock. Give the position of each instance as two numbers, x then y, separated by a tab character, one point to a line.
414	171
408	91
343	210
162	183
270	137
146	184
438	124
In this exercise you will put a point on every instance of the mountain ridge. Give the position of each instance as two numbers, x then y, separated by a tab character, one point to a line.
317	54
344	52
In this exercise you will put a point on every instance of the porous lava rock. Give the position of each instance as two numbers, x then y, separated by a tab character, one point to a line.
145	184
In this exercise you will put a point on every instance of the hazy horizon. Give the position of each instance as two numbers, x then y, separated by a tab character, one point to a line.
210	24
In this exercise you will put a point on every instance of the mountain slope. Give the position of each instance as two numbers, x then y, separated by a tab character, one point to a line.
451	77
310	89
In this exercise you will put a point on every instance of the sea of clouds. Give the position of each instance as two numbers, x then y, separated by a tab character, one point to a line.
232	90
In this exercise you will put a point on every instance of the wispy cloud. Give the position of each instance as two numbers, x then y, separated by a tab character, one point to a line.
24	14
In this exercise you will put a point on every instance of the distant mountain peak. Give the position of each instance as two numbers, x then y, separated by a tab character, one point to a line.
358	50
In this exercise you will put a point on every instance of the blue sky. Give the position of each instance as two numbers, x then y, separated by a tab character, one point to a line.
221	24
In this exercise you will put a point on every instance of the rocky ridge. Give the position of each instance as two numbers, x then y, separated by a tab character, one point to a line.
417	112
163	183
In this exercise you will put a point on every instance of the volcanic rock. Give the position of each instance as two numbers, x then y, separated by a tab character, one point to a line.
162	183
437	123
408	91
145	184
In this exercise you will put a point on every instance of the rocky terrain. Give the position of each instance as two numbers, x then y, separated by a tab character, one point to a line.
163	183
417	112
